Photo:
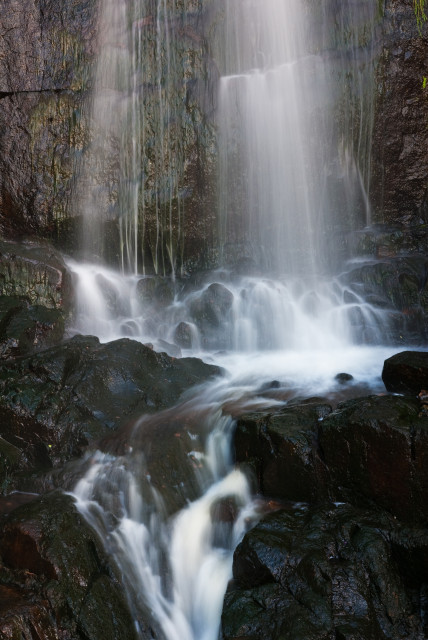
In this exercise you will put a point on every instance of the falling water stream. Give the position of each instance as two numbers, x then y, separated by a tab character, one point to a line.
283	165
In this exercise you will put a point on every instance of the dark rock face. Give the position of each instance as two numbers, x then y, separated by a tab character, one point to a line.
328	572
406	372
52	404
368	450
47	67
55	578
281	450
397	284
36	272
400	161
25	328
375	450
47	57
45	63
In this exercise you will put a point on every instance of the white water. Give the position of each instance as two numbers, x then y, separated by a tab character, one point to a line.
293	164
278	150
175	568
263	313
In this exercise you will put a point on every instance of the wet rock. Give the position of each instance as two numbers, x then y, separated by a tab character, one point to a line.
406	372
47	51
369	450
396	285
328	572
343	378
183	335
25	328
58	578
281	449
399	159
212	306
156	292
375	450
269	386
36	272
52	404
211	312
171	349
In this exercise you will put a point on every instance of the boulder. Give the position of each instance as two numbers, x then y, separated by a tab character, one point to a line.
406	372
212	305
25	328
53	403
369	450
36	272
183	335
328	572
57	578
281	449
375	450
211	312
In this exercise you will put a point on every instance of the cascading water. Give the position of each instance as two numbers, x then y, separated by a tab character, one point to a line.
293	162
175	573
131	180
286	168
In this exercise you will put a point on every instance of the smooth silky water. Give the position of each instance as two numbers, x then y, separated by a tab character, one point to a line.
284	164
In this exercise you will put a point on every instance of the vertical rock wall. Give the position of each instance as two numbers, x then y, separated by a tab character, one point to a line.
400	137
47	55
46	50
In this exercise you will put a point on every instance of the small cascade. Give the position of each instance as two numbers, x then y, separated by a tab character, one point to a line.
175	567
243	314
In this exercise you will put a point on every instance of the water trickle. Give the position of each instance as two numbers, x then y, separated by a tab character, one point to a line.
144	125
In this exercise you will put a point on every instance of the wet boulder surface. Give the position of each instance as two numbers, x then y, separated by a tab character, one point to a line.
55	402
56	580
394	281
327	573
406	372
346	555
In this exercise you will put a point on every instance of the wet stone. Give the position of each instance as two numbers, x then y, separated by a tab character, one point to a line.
315	573
25	328
370	450
406	372
54	403
343	378
281	449
212	306
183	335
59	576
375	450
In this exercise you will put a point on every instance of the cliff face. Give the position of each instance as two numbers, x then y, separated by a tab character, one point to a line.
400	135
47	64
46	53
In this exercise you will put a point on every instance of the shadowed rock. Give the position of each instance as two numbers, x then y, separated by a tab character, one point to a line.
406	372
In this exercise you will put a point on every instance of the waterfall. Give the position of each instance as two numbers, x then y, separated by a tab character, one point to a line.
143	130
294	124
294	162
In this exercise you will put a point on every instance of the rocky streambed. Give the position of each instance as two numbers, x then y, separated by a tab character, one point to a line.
341	547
